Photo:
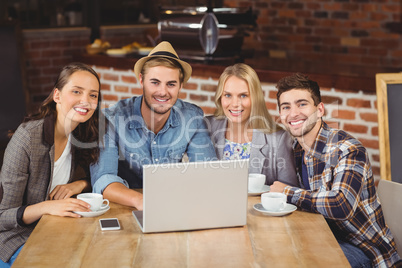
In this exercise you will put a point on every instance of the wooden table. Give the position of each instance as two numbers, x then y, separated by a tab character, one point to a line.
300	239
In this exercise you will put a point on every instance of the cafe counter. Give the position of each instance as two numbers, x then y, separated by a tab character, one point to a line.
338	81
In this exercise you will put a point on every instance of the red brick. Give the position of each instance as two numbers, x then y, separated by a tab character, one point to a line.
332	6
272	94
40	62
61	43
136	91
41	80
190	86
195	97
303	14
365	42
208	110
369	117
182	95
396	53
390	44
32	54
121	89
39	44
128	79
390	8
343	114
210	88
376	170
108	97
350	6
370	60
111	77
374	131
60	62
287	13
355	128
51	71
331	100
271	106
105	87
378	52
373	144
313	6
358	103
357	50
369	7
375	157
333	124
323	31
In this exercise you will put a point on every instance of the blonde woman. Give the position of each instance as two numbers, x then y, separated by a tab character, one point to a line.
242	128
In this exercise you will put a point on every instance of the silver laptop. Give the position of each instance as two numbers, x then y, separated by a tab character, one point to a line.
191	196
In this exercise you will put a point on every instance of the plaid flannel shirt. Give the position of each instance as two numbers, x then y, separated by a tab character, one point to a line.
343	191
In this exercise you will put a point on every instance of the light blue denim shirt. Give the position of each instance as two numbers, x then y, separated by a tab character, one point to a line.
129	144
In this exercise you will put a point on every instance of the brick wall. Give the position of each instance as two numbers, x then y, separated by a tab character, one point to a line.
46	52
331	34
355	112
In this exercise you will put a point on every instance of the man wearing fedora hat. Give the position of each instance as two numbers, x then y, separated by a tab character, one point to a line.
154	128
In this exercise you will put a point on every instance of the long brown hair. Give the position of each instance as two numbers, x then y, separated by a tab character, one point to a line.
84	133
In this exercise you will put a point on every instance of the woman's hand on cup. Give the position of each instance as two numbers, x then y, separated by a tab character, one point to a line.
65	207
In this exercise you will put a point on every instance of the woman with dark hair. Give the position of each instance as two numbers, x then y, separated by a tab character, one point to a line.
39	172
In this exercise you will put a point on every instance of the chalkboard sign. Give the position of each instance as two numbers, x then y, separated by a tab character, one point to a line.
12	80
389	103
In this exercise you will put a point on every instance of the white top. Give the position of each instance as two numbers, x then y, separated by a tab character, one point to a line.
62	167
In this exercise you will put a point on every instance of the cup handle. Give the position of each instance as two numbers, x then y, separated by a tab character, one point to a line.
104	205
283	205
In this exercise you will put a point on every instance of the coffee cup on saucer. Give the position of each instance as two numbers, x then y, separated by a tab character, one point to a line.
273	202
255	182
95	200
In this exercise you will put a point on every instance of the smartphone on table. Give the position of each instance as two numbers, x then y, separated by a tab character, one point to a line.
109	224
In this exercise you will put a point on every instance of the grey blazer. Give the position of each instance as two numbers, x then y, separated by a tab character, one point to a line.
24	179
270	154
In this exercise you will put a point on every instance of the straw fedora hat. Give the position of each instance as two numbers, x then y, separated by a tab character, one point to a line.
163	49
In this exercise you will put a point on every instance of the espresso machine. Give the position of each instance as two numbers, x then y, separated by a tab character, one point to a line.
205	33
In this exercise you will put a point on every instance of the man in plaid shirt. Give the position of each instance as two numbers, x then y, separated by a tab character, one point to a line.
334	172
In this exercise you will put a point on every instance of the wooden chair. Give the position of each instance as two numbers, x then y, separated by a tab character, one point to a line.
390	194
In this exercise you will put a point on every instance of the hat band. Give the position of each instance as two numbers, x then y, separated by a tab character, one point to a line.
164	53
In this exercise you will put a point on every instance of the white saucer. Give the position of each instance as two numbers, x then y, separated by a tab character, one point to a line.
264	189
92	213
289	208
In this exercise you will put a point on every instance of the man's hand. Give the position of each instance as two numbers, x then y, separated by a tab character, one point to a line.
64	191
278	186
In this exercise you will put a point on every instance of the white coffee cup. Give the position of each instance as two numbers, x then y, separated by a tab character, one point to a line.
95	200
255	182
274	202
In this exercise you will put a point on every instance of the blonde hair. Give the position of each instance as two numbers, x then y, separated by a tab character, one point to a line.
259	117
166	62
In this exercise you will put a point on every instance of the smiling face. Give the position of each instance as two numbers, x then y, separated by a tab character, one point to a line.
77	101
161	87
236	100
299	114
